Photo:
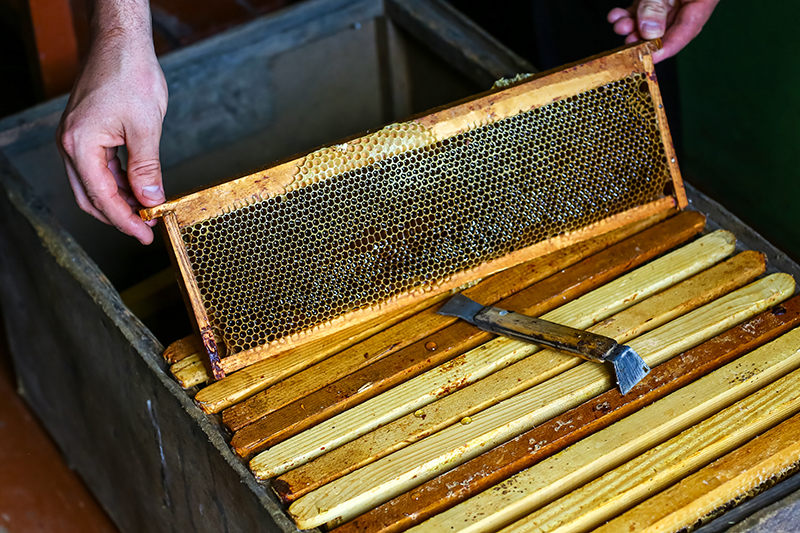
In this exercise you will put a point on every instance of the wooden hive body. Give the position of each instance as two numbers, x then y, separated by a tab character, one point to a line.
93	373
407	419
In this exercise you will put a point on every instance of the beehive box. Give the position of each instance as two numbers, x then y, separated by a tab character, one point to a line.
92	370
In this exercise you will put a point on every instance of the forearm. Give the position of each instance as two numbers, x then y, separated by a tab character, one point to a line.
121	51
127	17
122	27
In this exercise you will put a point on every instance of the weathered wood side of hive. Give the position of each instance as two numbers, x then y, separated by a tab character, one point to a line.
91	372
89	368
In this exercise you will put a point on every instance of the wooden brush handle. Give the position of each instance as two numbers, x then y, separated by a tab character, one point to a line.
586	345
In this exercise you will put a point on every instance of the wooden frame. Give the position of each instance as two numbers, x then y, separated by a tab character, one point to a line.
440	125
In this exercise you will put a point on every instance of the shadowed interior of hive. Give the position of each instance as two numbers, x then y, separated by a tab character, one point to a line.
365	233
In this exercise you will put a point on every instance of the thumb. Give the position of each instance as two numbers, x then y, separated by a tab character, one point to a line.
144	166
651	17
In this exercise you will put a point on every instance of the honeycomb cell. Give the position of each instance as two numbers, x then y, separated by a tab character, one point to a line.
347	236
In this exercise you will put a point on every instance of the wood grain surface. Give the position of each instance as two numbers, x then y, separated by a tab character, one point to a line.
498	464
597	454
721	484
411	466
622	327
189	371
594	503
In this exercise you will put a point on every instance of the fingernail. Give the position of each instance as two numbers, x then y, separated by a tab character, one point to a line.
649	29
153	192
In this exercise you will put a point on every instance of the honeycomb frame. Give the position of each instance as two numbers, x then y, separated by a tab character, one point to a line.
200	224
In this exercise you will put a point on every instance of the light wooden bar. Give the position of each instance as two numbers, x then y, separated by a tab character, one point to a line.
459	337
624	326
593	456
415	394
386	478
189	371
498	464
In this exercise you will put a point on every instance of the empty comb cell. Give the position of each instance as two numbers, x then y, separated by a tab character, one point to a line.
312	246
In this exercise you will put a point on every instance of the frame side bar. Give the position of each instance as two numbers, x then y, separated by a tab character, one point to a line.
666	136
192	293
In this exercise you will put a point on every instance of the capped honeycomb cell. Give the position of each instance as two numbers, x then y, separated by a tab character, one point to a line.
396	211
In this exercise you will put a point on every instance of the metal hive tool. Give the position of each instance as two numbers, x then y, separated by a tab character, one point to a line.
325	242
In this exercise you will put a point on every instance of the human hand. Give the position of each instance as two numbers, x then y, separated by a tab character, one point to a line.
120	98
677	22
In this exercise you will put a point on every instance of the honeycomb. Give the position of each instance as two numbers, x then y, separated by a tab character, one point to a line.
351	234
391	140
